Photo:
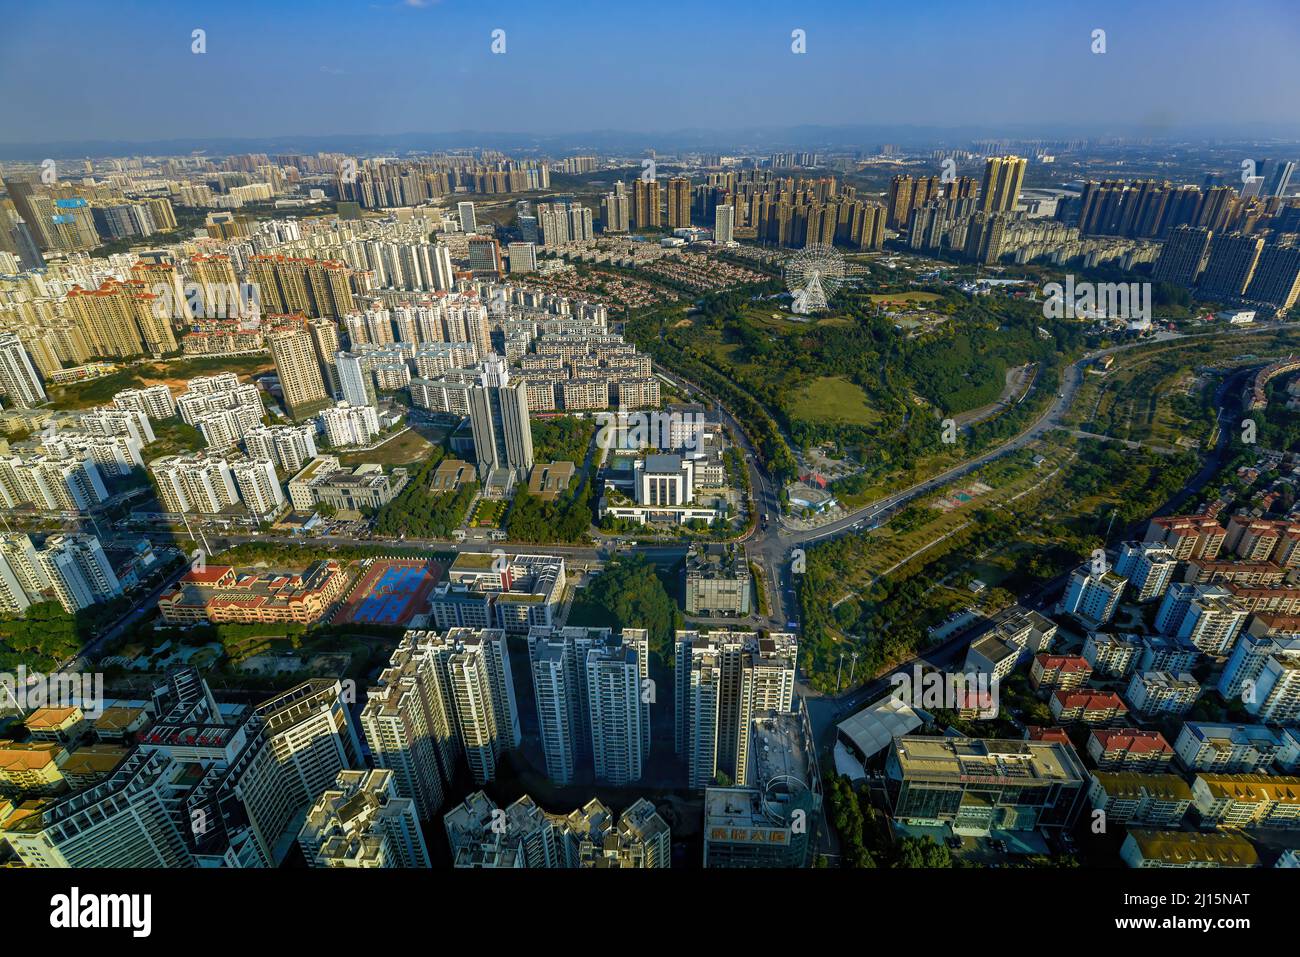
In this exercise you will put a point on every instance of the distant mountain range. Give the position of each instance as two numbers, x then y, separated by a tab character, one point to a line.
743	140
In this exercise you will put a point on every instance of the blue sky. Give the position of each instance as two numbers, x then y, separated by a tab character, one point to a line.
76	70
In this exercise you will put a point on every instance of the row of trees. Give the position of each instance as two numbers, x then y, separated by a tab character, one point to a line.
419	513
565	519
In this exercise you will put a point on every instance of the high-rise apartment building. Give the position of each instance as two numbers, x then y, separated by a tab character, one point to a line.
1276	281
1003	177
1183	256
498	413
615	210
259	489
299	371
679	202
409	721
122	319
19	382
325	344
442	696
194	483
361	821
619	694
724	224
1231	264
723	679
646	204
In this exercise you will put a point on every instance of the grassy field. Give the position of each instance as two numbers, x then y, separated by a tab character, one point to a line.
488	513
173	437
902	298
833	399
769	316
408	448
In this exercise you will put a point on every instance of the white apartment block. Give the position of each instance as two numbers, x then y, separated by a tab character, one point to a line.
347	424
1229	749
1111	655
410	724
113	421
259	489
1274	696
1148	566
290	447
1160	693
18	379
1093	598
194	483
362	822
156	401
78	571
618	703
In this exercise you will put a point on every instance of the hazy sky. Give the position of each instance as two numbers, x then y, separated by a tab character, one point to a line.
120	69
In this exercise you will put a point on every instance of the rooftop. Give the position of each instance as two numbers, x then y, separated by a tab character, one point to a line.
1002	760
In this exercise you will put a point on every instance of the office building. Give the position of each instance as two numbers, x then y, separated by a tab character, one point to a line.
523	257
980	785
468	222
717	581
775	822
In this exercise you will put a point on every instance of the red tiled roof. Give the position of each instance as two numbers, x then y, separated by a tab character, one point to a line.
1139	742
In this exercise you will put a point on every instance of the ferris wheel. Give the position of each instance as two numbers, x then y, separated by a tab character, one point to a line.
813	275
